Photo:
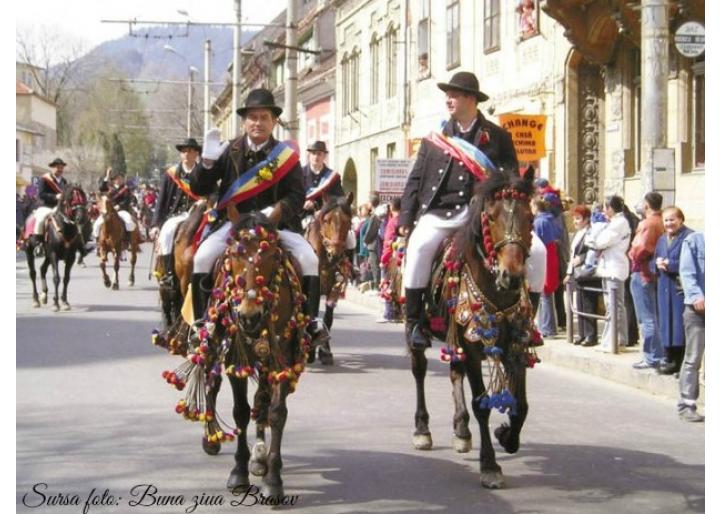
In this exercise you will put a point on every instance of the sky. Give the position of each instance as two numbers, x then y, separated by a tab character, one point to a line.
81	18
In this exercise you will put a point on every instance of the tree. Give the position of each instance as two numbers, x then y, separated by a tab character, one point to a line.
117	155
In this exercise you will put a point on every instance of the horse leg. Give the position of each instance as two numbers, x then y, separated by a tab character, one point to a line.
328	316
490	472
212	448
422	439
509	435
462	438
43	280
103	264
69	261
259	454
116	268
30	256
56	280
277	416
133	260
239	479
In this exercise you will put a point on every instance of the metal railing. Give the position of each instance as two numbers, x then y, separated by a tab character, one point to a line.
610	311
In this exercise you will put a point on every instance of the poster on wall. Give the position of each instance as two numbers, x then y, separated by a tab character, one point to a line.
390	177
528	134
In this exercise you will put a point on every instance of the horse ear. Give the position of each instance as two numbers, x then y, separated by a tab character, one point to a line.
529	175
350	197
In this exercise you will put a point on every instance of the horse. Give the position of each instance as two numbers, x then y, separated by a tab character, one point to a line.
253	328
82	218
112	239
61	242
327	234
478	304
391	287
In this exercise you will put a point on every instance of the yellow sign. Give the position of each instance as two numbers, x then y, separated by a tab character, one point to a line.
528	134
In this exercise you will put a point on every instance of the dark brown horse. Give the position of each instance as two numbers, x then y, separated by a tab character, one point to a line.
61	242
480	308
327	234
112	239
253	328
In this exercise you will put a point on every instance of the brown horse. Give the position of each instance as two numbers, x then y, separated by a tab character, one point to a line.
253	328
327	234
479	306
112	240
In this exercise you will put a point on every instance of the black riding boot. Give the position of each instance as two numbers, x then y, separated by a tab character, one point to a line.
200	294
168	279
415	335
316	328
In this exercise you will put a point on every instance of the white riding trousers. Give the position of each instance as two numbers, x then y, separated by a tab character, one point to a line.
124	215
426	238
40	214
166	237
210	249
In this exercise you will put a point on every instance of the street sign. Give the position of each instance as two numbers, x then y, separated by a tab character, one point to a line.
690	39
391	177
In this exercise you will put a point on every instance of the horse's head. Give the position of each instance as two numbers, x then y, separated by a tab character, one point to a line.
252	271
501	225
74	202
335	221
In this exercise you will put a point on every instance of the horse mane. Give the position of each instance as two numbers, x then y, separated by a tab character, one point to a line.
250	220
339	202
470	233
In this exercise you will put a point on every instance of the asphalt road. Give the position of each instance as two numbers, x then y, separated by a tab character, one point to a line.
94	413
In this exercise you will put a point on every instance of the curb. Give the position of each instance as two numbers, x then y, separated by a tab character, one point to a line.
557	351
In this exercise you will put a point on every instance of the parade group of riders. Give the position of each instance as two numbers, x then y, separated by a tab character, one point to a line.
255	173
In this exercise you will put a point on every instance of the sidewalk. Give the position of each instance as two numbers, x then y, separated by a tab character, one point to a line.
617	368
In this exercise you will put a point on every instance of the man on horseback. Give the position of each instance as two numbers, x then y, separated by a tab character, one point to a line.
173	203
256	173
320	180
113	184
50	189
439	189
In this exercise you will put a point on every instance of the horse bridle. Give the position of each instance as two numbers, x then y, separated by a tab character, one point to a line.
490	249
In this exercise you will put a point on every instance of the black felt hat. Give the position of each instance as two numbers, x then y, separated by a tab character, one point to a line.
260	99
190	142
466	82
318	146
57	162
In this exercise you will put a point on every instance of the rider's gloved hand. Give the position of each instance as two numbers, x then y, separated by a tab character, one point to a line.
212	148
154	233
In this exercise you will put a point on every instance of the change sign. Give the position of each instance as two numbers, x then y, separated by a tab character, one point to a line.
690	39
528	134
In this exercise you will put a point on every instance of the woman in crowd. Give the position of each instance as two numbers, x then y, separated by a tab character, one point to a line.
547	230
670	297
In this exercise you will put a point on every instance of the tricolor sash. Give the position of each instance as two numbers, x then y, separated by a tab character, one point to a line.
182	183
471	156
317	191
50	181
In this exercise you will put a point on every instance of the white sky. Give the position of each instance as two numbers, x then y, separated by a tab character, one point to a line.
81	18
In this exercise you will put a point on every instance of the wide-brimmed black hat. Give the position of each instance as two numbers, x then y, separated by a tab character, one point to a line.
260	99
466	82
190	142
318	146
57	162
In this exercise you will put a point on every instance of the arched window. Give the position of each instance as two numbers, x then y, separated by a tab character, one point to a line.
345	86
374	69
355	80
391	70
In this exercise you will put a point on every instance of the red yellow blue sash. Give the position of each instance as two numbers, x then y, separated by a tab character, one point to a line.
471	156
182	183
315	192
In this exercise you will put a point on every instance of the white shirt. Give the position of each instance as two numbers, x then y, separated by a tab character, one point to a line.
254	147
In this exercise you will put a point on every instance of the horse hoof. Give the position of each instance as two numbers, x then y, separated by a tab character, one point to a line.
258	468
65	306
503	436
210	448
258	459
107	283
422	441
238	482
272	491
36	303
56	308
131	282
326	358
115	287
44	298
461	445
492	479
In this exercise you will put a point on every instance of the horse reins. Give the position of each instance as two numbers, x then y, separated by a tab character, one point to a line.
490	249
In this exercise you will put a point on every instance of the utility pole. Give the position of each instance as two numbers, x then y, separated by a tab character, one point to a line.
237	67
206	106
291	38
654	44
191	78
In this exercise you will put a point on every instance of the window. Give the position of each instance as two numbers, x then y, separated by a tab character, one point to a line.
345	65
355	81
632	155
391	150
698	127
391	70
373	166
423	39
374	69
452	56
527	18
278	72
491	26
306	59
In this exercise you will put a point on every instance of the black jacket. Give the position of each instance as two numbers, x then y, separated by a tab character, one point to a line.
171	199
234	161
121	196
439	185
46	193
312	180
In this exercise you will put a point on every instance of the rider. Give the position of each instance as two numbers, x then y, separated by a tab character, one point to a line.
113	184
282	201
174	203
321	179
50	190
439	189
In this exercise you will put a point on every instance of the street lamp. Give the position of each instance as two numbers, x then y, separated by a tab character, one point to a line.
191	78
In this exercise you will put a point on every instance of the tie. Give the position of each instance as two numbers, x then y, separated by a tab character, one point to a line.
253	157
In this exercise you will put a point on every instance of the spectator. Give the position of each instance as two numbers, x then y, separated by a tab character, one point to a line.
633	330
692	276
374	241
642	280
363	254
583	276
535	268
669	292
548	231
389	234
613	240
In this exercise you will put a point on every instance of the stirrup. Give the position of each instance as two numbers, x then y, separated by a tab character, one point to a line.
416	337
318	332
